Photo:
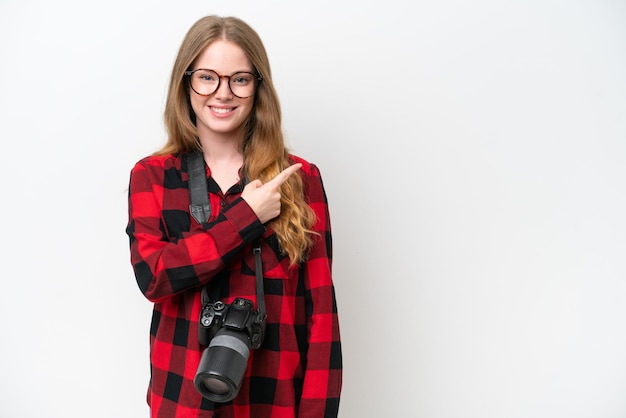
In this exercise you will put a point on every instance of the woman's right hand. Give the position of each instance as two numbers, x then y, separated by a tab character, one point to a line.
264	199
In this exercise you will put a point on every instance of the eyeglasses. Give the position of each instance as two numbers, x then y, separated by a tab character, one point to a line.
206	82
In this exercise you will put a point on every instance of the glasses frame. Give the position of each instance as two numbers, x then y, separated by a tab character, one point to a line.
189	73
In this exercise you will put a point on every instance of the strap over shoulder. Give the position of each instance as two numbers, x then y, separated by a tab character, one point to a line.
200	207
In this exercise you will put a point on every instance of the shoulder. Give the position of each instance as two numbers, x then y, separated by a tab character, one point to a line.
156	170
308	169
158	162
312	181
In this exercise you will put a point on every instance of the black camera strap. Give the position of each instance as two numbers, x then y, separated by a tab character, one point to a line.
200	209
260	294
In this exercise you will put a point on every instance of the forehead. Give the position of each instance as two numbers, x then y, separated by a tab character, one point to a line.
224	57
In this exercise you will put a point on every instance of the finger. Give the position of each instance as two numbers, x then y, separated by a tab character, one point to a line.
284	175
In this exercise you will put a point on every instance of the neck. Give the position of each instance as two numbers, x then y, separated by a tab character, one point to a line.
224	160
220	149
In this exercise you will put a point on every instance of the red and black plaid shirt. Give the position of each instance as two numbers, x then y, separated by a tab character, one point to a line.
298	370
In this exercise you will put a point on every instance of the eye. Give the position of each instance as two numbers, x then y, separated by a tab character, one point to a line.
241	79
206	76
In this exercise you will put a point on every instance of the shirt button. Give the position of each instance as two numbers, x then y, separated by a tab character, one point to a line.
222	203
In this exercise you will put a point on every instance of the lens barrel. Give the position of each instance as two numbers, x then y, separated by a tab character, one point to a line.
223	365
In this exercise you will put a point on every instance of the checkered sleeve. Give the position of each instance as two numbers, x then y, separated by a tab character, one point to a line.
323	374
165	265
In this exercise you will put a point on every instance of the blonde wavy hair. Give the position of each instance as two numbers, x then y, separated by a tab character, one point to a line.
264	151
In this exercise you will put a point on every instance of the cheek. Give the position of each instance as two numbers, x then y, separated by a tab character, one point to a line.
248	109
196	103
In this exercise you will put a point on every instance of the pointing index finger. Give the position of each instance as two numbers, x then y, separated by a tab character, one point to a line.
284	175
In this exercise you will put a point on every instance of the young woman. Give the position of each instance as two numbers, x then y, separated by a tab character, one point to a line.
222	105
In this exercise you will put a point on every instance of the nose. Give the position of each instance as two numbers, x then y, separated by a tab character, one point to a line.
223	90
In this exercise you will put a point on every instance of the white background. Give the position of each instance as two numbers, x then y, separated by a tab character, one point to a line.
474	158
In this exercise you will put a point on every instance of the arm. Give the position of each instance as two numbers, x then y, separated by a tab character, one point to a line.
164	266
323	375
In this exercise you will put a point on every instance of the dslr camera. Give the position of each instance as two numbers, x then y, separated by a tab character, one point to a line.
229	331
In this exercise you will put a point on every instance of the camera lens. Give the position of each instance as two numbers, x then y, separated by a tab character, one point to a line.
215	386
223	365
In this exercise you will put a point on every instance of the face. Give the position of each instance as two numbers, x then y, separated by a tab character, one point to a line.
222	114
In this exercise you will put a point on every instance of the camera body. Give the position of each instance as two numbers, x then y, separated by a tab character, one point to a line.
238	316
229	331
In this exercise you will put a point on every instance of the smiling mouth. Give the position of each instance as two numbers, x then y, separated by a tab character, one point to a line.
222	109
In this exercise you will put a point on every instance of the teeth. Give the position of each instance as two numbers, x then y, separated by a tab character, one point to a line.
221	110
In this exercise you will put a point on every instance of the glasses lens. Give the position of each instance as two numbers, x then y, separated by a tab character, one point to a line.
204	81
242	84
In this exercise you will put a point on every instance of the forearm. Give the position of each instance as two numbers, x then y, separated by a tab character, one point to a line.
163	267
323	376
171	252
